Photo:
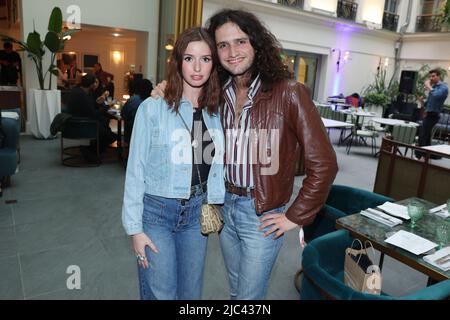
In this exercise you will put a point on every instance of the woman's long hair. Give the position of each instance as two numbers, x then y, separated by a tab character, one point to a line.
210	93
268	61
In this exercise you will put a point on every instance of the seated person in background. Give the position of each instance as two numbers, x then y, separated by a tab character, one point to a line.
354	100
82	104
62	82
100	95
142	90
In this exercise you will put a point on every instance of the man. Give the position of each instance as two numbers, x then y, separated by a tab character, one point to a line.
102	75
260	98
269	120
437	94
82	104
10	65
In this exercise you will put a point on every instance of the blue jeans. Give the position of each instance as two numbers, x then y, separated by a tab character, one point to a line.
249	256
176	271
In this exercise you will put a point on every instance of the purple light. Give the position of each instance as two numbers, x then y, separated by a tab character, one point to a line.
344	32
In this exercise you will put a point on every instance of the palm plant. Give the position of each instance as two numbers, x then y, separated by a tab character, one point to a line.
379	92
54	41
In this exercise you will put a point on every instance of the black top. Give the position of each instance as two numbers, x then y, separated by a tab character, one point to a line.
204	151
82	104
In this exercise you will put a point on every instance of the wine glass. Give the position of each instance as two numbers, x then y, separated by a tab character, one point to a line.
415	211
109	101
443	234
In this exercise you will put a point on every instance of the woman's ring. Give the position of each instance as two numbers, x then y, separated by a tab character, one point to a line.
140	258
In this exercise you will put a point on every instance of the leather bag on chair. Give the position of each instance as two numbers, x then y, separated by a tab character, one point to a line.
360	273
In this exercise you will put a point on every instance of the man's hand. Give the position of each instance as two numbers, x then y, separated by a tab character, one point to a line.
159	90
427	85
280	224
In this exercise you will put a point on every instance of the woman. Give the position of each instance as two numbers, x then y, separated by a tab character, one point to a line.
62	81
173	168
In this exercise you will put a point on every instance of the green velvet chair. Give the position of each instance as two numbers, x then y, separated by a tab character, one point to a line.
341	201
323	274
79	128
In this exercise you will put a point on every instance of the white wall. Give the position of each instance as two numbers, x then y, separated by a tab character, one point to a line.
140	15
301	31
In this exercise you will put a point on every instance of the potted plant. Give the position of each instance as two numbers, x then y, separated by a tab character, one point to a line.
379	94
376	99
44	103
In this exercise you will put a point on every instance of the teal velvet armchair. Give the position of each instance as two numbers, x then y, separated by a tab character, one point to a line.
341	201
9	148
323	274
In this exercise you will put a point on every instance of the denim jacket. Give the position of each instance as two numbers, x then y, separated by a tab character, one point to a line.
160	159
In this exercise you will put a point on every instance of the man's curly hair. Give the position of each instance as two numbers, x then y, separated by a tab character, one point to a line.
268	61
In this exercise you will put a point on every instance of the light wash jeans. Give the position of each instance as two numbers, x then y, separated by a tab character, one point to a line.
249	257
176	272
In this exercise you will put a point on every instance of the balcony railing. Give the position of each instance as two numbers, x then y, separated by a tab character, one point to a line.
429	23
347	10
390	21
292	3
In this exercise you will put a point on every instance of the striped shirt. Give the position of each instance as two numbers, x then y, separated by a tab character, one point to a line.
238	169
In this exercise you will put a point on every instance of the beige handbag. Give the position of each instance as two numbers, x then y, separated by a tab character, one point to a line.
360	273
211	219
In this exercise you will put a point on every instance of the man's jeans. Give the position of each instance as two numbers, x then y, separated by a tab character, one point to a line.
249	257
176	271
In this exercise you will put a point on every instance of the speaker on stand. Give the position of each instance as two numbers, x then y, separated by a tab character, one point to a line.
408	81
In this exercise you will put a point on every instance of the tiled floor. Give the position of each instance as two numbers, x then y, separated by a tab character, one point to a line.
69	216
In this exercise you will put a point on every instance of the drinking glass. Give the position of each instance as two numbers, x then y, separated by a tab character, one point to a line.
415	211
443	234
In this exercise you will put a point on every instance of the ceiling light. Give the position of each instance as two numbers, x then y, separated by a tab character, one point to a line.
116	35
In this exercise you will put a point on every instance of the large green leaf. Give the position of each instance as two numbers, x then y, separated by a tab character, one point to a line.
34	43
56	21
52	42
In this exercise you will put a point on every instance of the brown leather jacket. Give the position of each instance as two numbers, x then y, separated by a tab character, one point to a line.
289	108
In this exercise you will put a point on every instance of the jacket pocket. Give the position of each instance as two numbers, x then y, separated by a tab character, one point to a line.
157	166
